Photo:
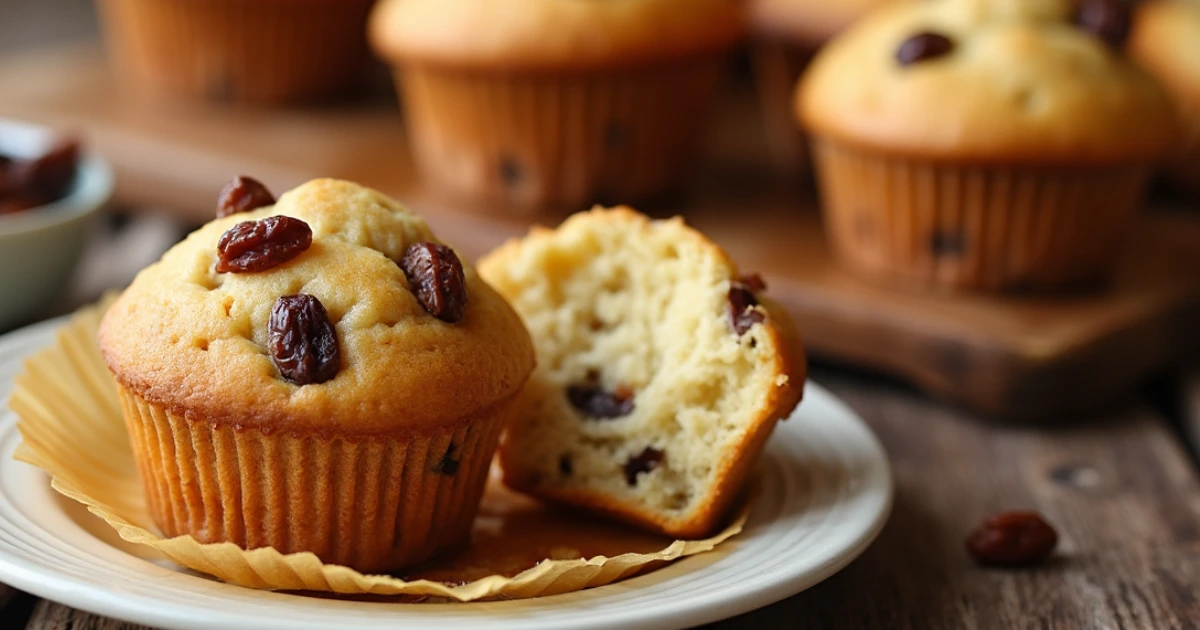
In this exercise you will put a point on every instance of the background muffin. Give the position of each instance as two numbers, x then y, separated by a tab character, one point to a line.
360	428
981	144
244	51
1166	41
556	102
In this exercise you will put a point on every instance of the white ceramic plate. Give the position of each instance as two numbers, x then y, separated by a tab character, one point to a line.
826	493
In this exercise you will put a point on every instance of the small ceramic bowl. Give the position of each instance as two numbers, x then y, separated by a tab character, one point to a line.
40	247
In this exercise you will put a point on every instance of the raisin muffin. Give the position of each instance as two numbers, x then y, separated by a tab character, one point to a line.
1166	42
662	372
319	374
266	52
784	36
555	103
983	144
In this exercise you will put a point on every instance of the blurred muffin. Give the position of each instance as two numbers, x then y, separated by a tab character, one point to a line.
1166	41
556	103
334	382
243	51
983	144
785	35
661	374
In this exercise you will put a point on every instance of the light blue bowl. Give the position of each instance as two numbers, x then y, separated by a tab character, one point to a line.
40	247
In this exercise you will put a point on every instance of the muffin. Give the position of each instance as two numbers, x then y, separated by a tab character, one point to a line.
546	104
662	372
1166	42
315	375
242	51
785	34
982	144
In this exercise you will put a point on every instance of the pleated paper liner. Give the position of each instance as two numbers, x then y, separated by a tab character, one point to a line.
72	427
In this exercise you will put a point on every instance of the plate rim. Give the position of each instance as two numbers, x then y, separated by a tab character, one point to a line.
68	590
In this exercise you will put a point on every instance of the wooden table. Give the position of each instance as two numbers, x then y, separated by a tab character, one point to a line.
1121	488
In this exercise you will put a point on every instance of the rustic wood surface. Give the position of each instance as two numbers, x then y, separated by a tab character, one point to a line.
1036	357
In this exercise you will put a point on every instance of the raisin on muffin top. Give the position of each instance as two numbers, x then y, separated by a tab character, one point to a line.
198	340
1039	81
553	34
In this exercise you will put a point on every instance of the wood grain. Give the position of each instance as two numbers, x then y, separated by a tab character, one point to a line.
1032	357
48	615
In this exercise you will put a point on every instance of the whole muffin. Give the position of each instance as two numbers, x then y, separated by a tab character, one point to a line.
239	51
556	103
1166	42
340	391
982	144
785	36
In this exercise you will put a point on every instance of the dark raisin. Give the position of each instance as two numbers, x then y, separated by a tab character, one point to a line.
742	315
922	47
565	466
594	402
243	194
302	341
753	282
643	462
260	245
448	465
435	276
1109	20
1012	539
947	244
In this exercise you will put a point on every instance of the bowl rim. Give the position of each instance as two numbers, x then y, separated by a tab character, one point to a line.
91	190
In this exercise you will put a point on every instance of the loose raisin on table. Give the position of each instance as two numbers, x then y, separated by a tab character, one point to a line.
243	194
302	341
1109	20
643	462
1012	539
435	276
260	245
742	315
923	47
594	402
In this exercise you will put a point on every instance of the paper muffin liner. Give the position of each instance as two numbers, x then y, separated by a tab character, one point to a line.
264	52
777	69
72	427
991	227
559	140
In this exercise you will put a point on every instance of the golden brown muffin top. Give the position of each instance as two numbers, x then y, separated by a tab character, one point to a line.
1020	84
808	21
552	34
193	340
1166	41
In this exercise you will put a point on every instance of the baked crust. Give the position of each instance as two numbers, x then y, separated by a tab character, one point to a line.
193	341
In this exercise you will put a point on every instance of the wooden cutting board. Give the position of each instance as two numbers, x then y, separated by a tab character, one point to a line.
1032	358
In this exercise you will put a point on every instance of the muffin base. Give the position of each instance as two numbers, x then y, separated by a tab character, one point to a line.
535	140
235	51
992	227
371	503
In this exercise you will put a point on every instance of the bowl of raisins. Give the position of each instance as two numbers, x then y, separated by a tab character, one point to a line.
50	190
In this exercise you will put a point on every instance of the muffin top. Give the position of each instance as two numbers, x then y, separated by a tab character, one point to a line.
807	21
1166	41
988	81
553	34
197	341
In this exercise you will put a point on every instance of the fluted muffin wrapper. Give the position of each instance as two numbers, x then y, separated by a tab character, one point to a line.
558	139
264	52
995	227
72	427
777	68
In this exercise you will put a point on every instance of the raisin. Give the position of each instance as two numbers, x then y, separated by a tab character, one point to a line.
594	402
302	341
922	47
436	277
742	315
565	466
1109	20
643	462
753	282
448	465
1012	539
243	194
260	245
